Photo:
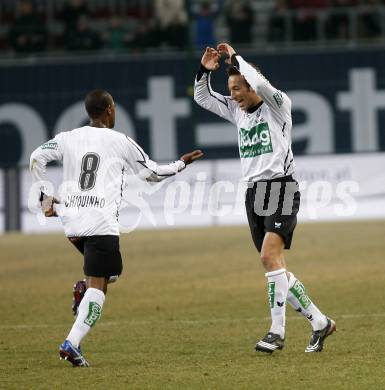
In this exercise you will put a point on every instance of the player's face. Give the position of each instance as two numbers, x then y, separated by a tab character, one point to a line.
241	92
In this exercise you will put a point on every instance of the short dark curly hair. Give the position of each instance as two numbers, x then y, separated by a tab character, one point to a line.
96	102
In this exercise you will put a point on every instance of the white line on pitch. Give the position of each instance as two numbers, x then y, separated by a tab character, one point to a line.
188	322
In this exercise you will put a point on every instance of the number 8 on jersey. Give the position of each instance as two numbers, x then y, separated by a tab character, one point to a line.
90	165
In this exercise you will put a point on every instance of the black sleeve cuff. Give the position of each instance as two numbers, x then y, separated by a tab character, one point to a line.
234	61
201	71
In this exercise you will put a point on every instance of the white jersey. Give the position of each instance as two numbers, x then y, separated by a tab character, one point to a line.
264	136
95	162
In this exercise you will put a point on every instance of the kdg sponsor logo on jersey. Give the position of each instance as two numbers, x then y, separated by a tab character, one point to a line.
255	141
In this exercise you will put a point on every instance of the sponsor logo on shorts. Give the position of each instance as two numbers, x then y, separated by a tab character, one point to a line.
277	225
94	311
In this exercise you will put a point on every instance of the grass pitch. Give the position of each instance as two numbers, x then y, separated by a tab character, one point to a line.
188	309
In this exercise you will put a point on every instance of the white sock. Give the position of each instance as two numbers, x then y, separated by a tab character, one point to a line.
277	291
89	312
298	298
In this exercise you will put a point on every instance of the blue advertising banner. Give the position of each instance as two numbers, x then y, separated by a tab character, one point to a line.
338	102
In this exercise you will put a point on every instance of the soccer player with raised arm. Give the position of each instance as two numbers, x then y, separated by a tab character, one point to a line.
95	161
262	115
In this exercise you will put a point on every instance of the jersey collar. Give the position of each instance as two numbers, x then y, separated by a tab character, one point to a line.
255	108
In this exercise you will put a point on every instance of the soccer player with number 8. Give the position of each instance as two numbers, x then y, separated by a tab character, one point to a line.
95	160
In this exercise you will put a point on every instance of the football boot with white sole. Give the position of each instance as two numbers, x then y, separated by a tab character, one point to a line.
270	343
318	337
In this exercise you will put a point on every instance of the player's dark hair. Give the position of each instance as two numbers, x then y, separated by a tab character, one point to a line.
233	71
96	102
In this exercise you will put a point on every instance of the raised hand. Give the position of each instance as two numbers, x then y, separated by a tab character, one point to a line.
210	59
188	158
227	50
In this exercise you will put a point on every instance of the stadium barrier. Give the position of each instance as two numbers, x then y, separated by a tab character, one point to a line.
209	193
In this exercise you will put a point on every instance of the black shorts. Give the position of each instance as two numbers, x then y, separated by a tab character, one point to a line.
102	256
272	206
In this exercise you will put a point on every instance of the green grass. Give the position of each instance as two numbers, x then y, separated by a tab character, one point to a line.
188	309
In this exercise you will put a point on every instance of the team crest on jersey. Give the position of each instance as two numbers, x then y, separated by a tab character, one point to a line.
278	99
255	141
49	145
